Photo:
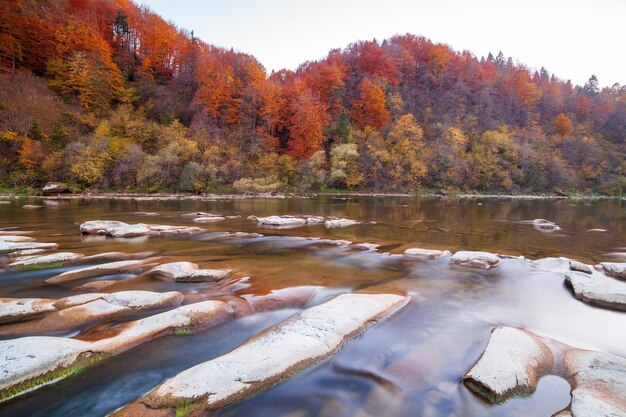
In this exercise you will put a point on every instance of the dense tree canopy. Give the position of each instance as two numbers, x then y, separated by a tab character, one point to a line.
105	93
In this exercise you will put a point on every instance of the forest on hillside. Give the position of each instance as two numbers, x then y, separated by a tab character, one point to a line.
105	94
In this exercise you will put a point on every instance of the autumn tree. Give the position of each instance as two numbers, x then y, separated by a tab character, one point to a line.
562	126
369	109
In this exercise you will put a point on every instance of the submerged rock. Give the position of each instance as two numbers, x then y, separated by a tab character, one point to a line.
111	268
339	223
189	272
475	259
16	246
31	206
209	219
16	238
273	355
514	361
598	290
580	267
617	270
52	260
426	253
116	256
543	224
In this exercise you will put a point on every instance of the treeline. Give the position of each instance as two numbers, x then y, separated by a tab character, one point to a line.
106	94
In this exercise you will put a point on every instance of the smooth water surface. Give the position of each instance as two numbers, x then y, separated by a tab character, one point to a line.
409	365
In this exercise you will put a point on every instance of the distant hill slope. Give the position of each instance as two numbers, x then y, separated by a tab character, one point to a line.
121	98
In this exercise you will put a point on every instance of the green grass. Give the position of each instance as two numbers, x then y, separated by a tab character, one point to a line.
183	332
185	407
61	373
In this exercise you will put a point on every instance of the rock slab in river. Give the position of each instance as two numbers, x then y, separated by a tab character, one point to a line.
475	259
514	360
273	355
598	289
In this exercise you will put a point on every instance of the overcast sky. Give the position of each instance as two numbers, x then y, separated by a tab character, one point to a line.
572	39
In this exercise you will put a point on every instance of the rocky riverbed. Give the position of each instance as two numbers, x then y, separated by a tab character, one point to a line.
343	313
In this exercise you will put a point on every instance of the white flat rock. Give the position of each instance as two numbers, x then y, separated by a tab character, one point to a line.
101	227
426	253
277	353
29	357
580	267
42	261
617	270
111	268
598	289
188	271
512	364
515	359
103	307
475	259
165	229
339	223
131	230
280	221
16	246
76	300
19	309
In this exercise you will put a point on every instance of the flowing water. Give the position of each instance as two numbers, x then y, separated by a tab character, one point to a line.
408	365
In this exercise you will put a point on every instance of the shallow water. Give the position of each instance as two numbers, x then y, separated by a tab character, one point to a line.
409	365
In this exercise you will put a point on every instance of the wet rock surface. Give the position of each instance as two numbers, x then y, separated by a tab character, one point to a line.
189	272
289	347
514	360
475	259
598	289
111	268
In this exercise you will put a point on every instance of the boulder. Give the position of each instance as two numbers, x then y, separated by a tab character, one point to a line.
19	309
475	259
101	227
426	253
543	224
271	356
189	272
580	267
55	188
598	289
52	260
442	193
339	223
515	360
617	270
17	246
111	268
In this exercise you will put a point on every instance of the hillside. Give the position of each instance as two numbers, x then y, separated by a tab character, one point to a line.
106	94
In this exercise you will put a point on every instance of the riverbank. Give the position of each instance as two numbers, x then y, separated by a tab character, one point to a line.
236	196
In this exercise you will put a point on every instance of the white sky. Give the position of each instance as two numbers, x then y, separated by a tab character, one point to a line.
572	39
